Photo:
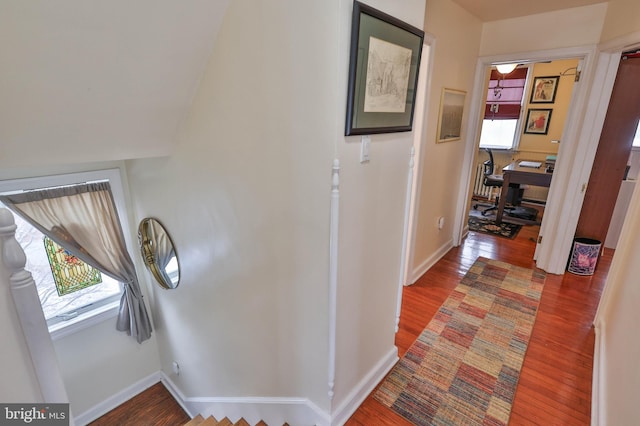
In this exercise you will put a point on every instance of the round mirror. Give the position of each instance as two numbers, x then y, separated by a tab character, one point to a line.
158	253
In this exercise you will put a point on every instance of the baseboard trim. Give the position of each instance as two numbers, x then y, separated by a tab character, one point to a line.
117	399
272	410
364	388
598	410
430	261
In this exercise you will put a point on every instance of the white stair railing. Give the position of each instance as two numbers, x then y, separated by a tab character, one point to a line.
30	315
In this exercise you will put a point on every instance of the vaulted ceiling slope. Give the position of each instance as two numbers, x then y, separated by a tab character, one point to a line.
493	10
99	80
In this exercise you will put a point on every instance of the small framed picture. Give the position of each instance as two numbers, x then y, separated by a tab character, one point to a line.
544	90
450	118
538	121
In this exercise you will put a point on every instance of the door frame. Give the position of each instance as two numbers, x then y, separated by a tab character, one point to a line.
575	156
611	55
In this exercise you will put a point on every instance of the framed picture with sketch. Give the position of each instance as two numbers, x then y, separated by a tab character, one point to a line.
383	72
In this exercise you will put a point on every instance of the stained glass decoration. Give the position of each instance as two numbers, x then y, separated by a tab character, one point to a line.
69	273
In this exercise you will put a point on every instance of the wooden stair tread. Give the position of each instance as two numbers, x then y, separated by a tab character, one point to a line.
210	421
195	421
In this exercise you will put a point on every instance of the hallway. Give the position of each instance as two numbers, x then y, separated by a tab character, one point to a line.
555	382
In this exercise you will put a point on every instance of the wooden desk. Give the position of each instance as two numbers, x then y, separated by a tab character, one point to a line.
513	173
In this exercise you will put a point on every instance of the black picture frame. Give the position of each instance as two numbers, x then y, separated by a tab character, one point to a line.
544	89
538	120
383	72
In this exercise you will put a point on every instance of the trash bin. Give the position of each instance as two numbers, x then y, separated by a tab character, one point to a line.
584	256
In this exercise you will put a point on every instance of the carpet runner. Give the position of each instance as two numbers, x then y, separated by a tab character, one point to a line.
464	367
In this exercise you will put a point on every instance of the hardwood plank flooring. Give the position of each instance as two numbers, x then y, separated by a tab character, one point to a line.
555	382
153	407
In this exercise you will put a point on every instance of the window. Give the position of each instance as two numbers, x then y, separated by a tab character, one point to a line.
503	109
86	306
58	308
636	138
498	133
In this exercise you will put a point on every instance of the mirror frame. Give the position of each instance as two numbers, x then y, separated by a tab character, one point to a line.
149	255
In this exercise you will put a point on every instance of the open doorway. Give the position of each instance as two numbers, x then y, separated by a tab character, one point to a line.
522	122
573	158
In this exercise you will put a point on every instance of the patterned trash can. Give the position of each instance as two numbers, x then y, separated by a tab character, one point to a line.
584	256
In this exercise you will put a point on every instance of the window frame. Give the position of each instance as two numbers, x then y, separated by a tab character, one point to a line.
101	312
517	135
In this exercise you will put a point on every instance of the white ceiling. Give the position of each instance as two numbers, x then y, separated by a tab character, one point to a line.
493	10
91	80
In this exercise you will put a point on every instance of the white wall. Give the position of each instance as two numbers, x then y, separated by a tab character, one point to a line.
457	40
245	198
99	362
372	197
616	321
580	26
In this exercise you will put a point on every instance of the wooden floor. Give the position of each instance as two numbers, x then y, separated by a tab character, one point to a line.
555	382
153	407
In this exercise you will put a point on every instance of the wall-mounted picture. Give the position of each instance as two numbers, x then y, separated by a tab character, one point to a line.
543	90
538	121
383	72
450	119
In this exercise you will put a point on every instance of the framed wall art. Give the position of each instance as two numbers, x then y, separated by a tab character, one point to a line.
383	72
543	90
450	116
538	121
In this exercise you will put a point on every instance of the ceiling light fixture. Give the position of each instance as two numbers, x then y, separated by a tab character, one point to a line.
506	68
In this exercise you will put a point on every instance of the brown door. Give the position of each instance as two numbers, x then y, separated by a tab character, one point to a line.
613	151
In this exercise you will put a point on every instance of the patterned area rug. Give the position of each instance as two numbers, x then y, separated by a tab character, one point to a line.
464	367
488	226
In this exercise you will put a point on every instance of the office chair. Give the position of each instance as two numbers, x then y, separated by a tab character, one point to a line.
493	181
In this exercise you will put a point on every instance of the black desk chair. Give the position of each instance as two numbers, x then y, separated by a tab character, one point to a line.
494	181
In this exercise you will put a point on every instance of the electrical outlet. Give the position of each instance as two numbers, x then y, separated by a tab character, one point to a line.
176	368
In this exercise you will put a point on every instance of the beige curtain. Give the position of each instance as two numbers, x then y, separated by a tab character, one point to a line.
83	219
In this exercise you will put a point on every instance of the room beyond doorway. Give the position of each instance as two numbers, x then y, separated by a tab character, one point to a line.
559	232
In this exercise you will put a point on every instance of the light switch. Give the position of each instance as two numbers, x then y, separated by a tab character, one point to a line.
364	148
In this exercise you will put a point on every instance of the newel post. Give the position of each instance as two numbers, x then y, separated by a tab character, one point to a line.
30	315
